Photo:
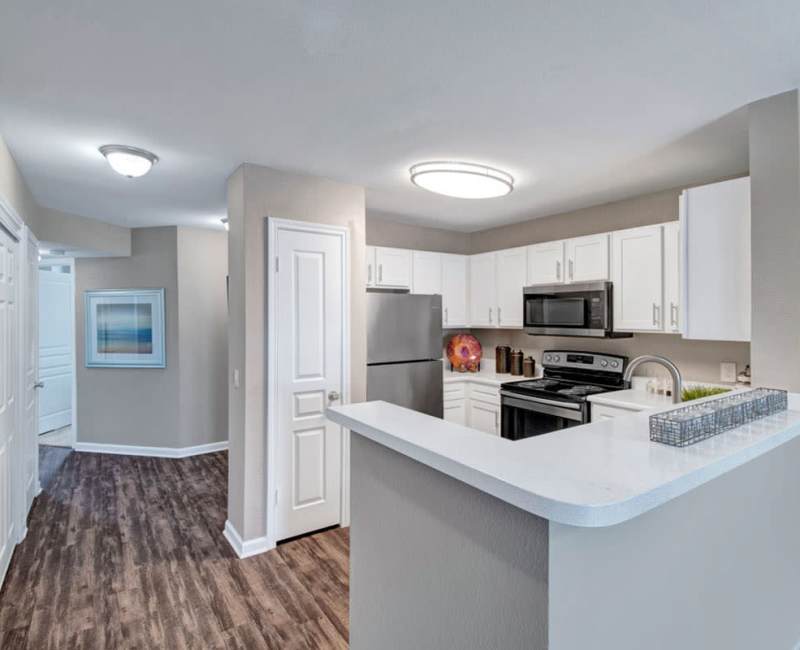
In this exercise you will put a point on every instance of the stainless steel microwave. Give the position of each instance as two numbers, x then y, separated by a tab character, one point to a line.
578	309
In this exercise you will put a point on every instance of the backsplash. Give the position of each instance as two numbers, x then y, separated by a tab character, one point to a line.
697	360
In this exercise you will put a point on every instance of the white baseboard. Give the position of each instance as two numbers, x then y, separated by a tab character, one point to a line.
245	548
160	452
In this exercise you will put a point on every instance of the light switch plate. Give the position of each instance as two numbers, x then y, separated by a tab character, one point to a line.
727	372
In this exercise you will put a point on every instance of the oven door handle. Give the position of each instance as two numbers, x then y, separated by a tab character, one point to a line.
541	400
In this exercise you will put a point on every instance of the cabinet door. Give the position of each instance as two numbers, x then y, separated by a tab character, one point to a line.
482	290
426	272
393	267
455	280
484	417
603	412
455	411
587	258
511	274
672	277
546	263
370	266
637	275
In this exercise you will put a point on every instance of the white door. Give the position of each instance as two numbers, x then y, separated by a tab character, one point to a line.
55	347
512	269
546	263
637	275
672	277
482	290
454	290
9	379
587	258
29	303
370	266
393	267
310	330
426	272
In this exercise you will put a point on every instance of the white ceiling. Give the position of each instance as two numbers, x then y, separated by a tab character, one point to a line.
583	102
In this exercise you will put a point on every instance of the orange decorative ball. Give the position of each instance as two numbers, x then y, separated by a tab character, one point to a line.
464	353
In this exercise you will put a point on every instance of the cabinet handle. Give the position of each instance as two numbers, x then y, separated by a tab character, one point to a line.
571	271
673	314
656	319
558	270
369	273
445	314
496	423
499	315
380	272
490	314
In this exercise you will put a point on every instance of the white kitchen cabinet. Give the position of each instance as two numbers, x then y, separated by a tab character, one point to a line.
672	278
546	263
455	410
455	270
587	258
392	268
370	266
603	412
483	290
484	416
426	272
637	273
715	264
511	275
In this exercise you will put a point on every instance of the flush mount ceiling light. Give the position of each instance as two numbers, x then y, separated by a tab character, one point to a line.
462	180
128	161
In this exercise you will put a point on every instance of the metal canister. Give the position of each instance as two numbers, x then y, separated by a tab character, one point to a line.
516	362
501	359
529	367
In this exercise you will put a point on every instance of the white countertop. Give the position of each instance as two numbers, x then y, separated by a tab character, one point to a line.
594	475
640	400
484	376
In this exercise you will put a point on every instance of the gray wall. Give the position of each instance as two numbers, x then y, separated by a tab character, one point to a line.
437	564
385	229
203	335
184	404
14	189
775	239
255	192
715	568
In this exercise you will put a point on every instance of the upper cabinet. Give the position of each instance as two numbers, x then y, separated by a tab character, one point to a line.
715	277
370	266
455	275
426	272
637	274
546	263
587	258
392	268
483	290
511	276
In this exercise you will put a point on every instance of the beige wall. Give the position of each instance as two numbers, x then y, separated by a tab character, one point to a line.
254	193
203	335
386	230
775	223
14	189
184	404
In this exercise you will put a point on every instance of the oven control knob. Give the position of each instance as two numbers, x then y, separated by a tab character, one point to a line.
615	364
604	363
548	358
556	358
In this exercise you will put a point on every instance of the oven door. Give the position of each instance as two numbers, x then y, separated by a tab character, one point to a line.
524	417
580	309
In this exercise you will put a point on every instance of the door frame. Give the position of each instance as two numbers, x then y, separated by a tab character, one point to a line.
70	261
273	227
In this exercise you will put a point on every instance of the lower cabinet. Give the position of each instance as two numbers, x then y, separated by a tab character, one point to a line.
455	411
484	416
603	412
474	405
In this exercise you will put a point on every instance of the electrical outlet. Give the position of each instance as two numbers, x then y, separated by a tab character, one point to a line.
727	372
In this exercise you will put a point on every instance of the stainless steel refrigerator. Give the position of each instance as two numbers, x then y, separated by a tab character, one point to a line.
404	350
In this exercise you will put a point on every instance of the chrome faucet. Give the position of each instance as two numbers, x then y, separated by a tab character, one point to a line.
677	381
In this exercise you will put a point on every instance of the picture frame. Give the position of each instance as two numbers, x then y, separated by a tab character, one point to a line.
125	328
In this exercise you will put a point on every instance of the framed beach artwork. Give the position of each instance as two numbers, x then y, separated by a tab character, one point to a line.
125	329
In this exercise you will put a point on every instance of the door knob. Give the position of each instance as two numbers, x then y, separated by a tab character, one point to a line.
333	396
39	384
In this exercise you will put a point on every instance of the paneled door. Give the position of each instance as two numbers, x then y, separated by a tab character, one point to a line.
9	381
310	317
637	274
55	347
29	303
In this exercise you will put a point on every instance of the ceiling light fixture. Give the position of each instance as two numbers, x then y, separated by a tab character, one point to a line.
128	161
462	180
224	221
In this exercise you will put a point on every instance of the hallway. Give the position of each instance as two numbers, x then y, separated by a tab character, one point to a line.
128	551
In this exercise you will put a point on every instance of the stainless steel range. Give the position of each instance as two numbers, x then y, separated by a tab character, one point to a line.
558	400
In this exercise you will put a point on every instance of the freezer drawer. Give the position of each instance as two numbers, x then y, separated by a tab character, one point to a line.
416	385
403	327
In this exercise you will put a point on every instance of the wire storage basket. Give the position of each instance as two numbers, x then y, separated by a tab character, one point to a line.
690	424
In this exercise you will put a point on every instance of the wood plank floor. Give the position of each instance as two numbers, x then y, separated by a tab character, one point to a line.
128	552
